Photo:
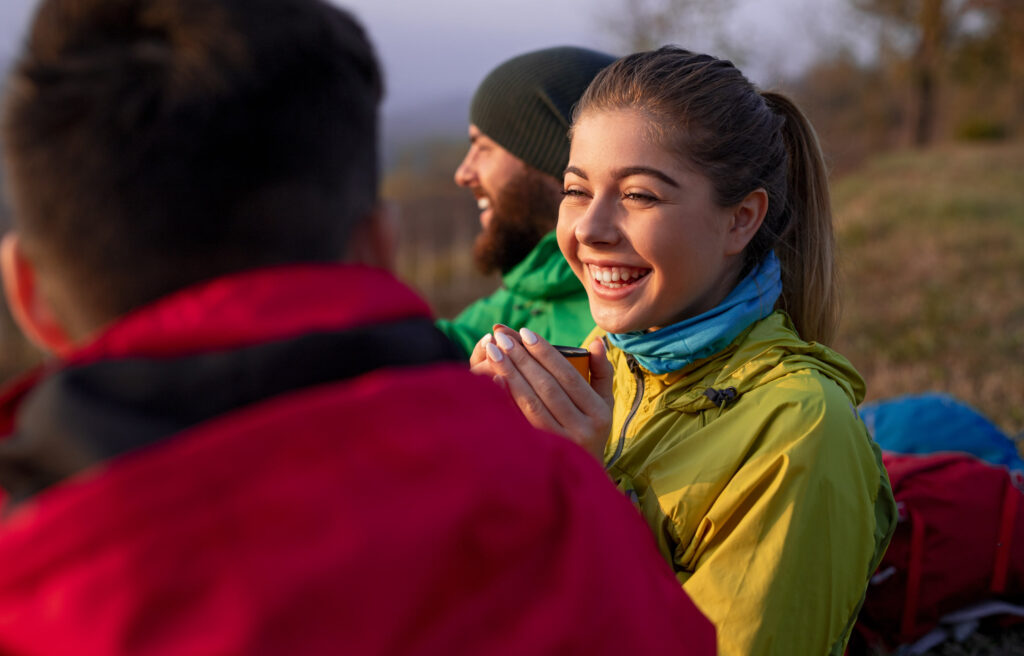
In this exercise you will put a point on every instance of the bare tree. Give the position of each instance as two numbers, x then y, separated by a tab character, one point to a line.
926	29
1008	17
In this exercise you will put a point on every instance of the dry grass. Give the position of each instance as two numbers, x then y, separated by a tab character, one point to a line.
932	248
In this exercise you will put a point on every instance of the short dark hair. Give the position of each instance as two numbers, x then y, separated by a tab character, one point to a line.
151	144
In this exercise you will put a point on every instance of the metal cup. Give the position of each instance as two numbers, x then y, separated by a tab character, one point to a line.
578	357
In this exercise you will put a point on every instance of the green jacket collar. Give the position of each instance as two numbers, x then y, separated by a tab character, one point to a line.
543	273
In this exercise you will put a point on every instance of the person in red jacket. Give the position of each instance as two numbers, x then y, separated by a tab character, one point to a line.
253	440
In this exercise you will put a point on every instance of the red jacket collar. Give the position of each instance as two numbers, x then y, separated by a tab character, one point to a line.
240	309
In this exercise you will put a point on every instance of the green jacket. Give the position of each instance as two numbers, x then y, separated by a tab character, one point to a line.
541	293
761	484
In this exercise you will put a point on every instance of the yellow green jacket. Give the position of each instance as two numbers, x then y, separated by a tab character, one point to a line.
761	484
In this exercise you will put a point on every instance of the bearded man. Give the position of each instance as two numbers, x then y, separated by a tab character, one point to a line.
519	147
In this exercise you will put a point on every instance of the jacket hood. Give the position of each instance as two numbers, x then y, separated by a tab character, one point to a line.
126	390
543	273
767	351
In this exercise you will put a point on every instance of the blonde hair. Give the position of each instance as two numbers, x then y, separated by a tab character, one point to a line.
704	109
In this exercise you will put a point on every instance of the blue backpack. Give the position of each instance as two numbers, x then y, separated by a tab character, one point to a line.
935	423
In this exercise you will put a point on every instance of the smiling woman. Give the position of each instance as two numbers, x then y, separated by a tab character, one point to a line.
647	239
704	239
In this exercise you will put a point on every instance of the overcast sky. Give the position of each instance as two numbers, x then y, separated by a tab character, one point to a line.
439	49
442	49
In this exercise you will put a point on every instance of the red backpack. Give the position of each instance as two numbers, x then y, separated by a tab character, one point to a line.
959	541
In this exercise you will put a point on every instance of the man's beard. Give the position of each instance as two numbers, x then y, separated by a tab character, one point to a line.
523	212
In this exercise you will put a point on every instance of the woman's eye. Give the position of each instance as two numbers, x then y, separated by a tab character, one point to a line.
573	192
640	197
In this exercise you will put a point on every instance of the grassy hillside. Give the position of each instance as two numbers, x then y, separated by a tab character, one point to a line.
932	251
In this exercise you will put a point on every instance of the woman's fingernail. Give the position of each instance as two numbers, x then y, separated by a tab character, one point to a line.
504	341
529	337
494	353
486	339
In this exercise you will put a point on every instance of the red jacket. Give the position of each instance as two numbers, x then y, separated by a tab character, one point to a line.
214	475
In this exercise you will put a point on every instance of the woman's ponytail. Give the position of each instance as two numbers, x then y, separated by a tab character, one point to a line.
807	245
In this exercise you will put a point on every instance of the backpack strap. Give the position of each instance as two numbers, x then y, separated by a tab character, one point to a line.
915	565
1011	504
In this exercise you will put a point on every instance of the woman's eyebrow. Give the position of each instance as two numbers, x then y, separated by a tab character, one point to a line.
625	172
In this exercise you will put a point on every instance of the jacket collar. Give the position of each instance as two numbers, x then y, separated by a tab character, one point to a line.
768	350
543	273
267	338
238	310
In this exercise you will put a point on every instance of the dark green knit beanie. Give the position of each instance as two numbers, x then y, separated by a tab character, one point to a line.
526	104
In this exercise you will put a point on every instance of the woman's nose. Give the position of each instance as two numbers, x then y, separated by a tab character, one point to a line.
597	226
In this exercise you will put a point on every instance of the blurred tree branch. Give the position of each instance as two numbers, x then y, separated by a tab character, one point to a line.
1008	17
927	25
637	25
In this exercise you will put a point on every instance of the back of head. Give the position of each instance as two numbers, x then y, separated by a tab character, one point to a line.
741	139
526	103
151	144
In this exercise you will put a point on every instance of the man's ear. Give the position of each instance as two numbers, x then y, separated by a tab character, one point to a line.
29	307
374	241
746	219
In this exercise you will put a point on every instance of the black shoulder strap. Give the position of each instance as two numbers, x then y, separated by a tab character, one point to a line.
81	416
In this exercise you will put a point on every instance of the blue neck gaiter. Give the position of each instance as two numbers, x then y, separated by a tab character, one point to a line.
673	347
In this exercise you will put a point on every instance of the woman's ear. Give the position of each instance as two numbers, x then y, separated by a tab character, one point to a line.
746	220
374	241
29	307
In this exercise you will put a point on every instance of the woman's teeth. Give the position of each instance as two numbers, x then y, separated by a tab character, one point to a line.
615	277
483	203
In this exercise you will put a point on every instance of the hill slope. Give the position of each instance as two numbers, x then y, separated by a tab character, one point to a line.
932	252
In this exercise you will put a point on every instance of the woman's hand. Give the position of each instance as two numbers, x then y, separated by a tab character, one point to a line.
548	390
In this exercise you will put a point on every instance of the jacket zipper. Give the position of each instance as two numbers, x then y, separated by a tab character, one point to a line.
638	375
